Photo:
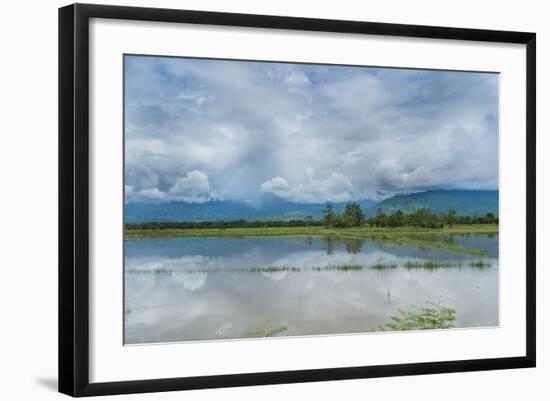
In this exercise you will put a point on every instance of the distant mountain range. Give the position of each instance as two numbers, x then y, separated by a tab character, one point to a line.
272	207
466	203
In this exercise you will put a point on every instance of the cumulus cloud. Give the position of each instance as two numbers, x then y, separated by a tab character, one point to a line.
278	186
197	129
335	188
193	187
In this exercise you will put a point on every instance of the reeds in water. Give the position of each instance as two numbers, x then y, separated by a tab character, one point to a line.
346	267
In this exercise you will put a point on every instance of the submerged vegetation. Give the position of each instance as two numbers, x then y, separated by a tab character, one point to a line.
268	329
430	264
433	316
411	264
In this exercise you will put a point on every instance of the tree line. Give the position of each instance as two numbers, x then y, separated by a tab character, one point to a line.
425	218
352	216
163	225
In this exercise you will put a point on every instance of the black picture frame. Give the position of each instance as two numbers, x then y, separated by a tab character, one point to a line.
74	198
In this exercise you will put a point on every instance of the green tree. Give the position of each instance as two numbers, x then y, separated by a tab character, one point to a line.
371	221
451	217
329	215
489	218
424	217
397	219
353	215
381	219
338	220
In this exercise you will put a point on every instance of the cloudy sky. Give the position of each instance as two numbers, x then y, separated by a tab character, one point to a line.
209	129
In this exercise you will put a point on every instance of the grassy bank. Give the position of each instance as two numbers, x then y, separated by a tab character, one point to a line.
353	232
425	237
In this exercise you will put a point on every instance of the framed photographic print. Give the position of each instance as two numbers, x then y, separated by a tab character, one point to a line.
250	199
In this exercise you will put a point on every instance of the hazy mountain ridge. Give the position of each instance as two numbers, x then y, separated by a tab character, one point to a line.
272	207
465	202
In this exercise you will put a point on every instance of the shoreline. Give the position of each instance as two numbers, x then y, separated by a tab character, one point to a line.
400	235
308	231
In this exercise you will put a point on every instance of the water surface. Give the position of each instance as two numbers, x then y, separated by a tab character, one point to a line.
185	289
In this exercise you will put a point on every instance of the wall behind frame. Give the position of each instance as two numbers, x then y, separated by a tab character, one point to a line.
28	200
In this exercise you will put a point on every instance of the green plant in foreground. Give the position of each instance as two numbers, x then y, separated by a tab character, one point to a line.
434	316
268	330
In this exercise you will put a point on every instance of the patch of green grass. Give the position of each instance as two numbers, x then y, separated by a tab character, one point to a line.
383	266
270	269
433	316
267	330
345	267
480	264
430	264
356	267
351	232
